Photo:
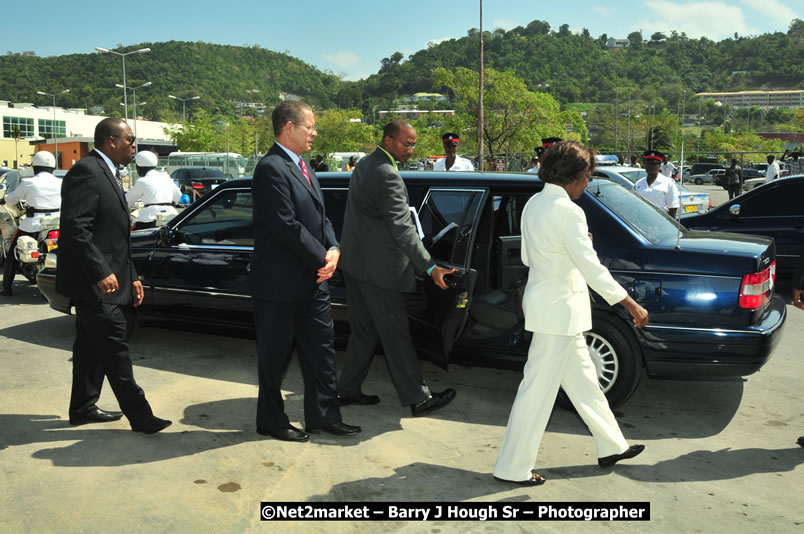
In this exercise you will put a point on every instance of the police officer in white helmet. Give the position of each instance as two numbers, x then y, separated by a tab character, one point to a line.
156	190
42	193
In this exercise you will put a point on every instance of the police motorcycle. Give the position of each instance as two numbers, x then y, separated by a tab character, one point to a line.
30	251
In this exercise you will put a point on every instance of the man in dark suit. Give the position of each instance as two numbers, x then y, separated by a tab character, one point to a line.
96	272
382	253
295	253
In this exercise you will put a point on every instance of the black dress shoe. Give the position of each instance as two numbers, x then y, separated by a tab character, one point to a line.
290	433
336	429
362	399
632	451
151	426
534	480
95	416
436	401
800	441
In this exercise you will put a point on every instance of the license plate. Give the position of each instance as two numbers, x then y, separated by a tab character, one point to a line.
690	208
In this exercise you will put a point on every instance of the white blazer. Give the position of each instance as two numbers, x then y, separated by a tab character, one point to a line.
557	249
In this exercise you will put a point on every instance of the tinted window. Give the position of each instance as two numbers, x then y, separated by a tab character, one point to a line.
335	206
226	220
779	201
205	173
646	219
447	219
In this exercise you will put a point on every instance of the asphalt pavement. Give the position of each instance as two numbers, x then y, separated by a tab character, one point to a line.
721	456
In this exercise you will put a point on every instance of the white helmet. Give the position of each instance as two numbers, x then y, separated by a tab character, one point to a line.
146	159
43	158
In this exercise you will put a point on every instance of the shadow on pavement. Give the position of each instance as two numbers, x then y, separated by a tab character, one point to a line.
458	484
697	466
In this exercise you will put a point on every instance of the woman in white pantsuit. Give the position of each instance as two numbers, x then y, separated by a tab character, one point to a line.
557	248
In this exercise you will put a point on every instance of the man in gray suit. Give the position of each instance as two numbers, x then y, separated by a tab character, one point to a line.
382	253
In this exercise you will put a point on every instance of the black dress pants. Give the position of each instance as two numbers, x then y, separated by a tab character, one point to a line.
310	324
101	349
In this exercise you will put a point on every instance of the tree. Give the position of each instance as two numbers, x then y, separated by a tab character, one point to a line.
343	131
515	118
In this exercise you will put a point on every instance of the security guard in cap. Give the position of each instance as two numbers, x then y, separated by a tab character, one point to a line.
659	189
546	143
452	162
42	193
156	190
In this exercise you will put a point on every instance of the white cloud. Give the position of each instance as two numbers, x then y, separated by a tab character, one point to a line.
505	24
344	59
776	11
713	20
603	11
433	42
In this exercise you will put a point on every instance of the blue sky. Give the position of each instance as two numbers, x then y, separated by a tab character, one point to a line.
351	37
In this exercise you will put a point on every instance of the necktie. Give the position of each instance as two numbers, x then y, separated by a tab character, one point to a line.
118	178
304	171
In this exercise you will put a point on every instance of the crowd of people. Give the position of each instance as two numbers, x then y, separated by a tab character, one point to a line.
380	255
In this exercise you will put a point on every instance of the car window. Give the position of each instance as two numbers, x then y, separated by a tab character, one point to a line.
634	175
447	218
205	173
227	220
645	218
335	207
783	200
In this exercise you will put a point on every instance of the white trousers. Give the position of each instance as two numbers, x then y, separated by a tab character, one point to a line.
555	361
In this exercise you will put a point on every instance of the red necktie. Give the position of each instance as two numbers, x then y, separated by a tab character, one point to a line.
304	171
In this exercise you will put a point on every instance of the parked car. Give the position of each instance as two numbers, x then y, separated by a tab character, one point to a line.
712	176
690	202
774	210
702	168
712	305
197	181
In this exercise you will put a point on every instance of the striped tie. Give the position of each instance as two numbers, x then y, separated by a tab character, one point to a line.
118	178
304	171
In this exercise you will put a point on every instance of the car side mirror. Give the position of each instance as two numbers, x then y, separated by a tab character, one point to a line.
166	235
734	209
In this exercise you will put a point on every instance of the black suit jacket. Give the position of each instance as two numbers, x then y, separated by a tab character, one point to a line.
94	234
291	231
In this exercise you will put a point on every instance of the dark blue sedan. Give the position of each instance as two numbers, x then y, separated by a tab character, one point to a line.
713	310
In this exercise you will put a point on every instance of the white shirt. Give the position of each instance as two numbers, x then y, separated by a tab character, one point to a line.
155	187
460	164
772	172
41	192
668	169
663	193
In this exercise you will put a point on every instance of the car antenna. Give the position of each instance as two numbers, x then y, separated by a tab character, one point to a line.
678	215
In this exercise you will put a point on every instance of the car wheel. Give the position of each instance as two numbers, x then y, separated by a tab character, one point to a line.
617	358
698	181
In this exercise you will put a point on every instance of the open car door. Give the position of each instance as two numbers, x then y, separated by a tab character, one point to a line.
448	220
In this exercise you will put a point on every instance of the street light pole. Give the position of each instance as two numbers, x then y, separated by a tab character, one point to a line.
134	90
123	55
55	134
183	101
480	121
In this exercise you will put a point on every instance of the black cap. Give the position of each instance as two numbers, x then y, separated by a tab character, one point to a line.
450	138
550	141
653	155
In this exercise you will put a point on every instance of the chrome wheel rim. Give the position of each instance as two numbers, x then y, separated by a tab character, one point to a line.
607	364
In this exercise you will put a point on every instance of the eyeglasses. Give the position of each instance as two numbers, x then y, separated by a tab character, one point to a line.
130	139
409	146
307	127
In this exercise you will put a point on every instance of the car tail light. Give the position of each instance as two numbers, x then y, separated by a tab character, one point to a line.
52	240
196	185
756	288
710	203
